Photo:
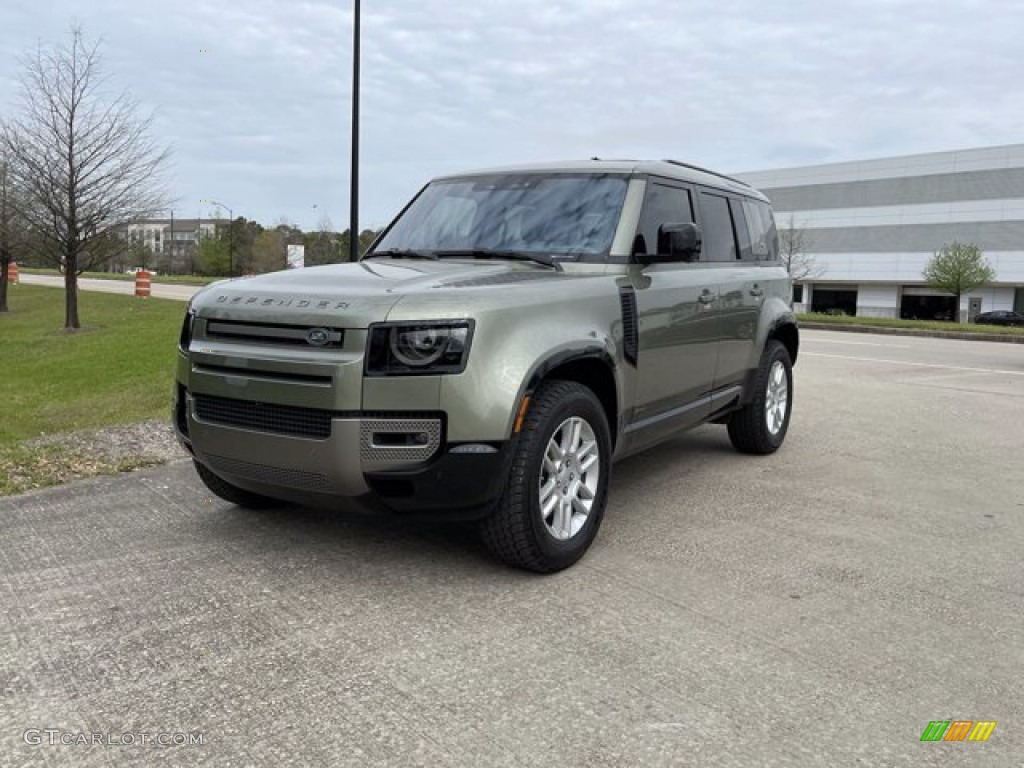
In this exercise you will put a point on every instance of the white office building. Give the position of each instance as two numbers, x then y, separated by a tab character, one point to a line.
870	228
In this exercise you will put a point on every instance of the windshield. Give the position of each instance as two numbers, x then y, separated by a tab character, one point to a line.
529	213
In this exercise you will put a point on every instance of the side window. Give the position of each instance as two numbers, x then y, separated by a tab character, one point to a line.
716	224
763	236
739	221
663	205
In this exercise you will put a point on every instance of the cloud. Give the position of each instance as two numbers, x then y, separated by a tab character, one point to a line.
262	121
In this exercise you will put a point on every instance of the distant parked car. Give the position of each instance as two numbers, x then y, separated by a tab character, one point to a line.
139	269
1000	317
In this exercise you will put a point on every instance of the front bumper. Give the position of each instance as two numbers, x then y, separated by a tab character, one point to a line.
372	461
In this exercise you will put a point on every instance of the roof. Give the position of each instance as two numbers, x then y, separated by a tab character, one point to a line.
668	168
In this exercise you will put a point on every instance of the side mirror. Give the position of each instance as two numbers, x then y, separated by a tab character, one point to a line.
676	242
684	240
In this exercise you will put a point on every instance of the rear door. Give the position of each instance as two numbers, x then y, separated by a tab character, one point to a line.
728	247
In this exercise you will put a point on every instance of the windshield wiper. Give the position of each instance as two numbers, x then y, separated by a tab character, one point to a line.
484	253
403	253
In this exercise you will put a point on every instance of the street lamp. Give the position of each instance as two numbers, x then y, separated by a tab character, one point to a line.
231	235
169	244
353	227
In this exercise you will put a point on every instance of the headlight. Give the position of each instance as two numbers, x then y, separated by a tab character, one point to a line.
185	337
418	348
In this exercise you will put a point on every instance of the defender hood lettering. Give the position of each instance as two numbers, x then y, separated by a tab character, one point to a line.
349	295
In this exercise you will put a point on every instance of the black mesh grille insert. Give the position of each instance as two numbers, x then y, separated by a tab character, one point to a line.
266	417
630	337
264	473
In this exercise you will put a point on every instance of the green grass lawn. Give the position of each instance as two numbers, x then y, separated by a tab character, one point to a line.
118	369
920	325
178	279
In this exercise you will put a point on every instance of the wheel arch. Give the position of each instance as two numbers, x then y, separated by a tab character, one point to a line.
593	368
786	332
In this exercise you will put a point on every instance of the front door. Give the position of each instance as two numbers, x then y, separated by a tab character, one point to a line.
678	337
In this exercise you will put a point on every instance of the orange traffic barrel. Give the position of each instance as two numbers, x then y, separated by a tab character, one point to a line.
12	272
142	284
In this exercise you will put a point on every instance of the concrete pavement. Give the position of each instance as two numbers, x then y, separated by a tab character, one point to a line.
818	607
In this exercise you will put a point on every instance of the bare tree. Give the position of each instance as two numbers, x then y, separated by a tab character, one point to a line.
85	160
794	244
12	228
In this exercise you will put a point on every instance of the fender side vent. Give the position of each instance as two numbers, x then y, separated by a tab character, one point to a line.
630	337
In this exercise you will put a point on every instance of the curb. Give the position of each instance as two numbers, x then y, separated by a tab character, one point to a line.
1004	338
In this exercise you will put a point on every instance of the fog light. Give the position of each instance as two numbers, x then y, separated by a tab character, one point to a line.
474	448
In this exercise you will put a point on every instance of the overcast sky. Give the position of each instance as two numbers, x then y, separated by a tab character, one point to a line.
261	121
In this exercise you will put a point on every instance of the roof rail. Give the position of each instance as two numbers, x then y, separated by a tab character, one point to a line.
706	170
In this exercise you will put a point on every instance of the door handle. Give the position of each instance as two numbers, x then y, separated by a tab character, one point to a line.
757	292
706	297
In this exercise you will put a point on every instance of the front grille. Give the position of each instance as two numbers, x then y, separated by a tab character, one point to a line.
253	373
264	417
274	333
264	473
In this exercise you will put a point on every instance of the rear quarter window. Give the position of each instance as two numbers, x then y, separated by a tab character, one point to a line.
764	237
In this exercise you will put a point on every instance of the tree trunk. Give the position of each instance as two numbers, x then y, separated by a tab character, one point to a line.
956	309
71	294
3	284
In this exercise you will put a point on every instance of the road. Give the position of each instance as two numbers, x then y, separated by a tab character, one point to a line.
157	290
818	607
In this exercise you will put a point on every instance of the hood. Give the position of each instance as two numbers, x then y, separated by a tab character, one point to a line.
357	294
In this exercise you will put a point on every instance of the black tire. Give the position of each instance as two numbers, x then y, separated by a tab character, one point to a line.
232	493
750	428
517	532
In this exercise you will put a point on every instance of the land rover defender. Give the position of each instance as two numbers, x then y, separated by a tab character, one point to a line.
506	338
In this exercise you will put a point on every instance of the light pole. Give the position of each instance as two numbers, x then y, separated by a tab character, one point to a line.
353	227
231	235
169	245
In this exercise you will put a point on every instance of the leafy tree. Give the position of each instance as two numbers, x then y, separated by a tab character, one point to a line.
366	238
268	252
794	244
241	235
246	235
958	268
214	257
84	159
322	247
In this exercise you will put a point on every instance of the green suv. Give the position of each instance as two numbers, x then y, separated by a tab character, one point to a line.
512	333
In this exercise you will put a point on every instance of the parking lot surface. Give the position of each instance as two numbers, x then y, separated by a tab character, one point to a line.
816	607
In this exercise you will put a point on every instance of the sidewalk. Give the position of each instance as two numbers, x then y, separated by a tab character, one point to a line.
966	336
